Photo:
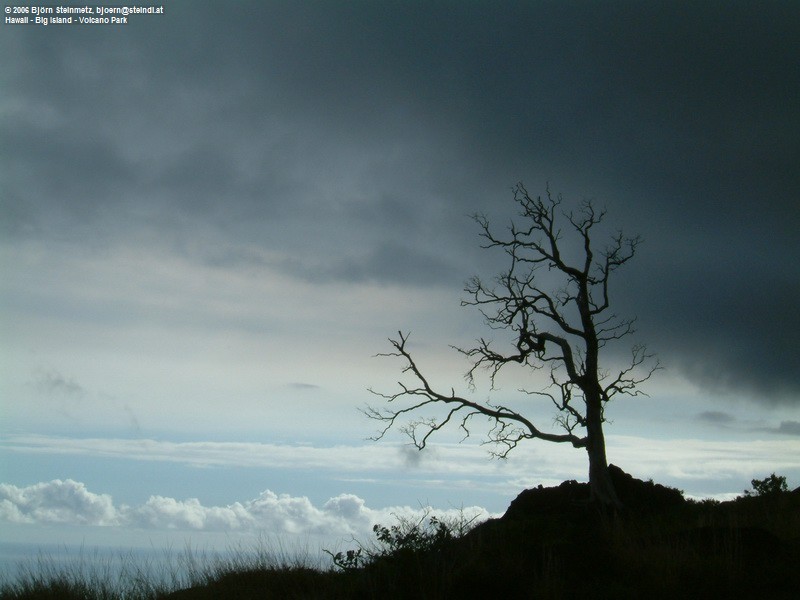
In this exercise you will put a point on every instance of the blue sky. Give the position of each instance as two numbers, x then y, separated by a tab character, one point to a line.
213	220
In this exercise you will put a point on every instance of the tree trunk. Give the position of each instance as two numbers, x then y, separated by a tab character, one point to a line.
600	483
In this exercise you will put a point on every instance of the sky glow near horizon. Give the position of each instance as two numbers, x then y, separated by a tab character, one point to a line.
211	224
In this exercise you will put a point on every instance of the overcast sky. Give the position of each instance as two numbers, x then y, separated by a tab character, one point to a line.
213	219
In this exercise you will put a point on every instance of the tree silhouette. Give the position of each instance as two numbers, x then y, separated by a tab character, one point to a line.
563	326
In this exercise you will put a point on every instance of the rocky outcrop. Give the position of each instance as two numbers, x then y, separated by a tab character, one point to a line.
636	496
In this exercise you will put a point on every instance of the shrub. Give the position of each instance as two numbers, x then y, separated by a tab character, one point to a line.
407	537
769	486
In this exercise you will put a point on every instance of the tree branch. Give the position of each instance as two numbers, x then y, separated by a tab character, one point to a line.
503	431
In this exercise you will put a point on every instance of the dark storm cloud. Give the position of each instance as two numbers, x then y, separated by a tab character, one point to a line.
791	428
398	263
725	316
353	138
723	419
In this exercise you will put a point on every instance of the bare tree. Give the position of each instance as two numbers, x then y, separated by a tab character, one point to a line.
563	327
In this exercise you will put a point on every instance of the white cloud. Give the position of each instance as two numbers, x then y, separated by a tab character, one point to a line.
452	458
345	505
168	513
70	503
56	501
691	459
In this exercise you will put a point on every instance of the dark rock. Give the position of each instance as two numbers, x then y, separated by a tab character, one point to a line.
542	500
643	496
636	496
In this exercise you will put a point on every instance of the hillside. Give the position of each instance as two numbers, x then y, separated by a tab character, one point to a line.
553	543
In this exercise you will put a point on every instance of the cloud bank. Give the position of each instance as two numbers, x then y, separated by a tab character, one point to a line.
69	502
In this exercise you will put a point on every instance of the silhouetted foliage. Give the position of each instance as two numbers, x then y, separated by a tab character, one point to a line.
408	537
769	486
